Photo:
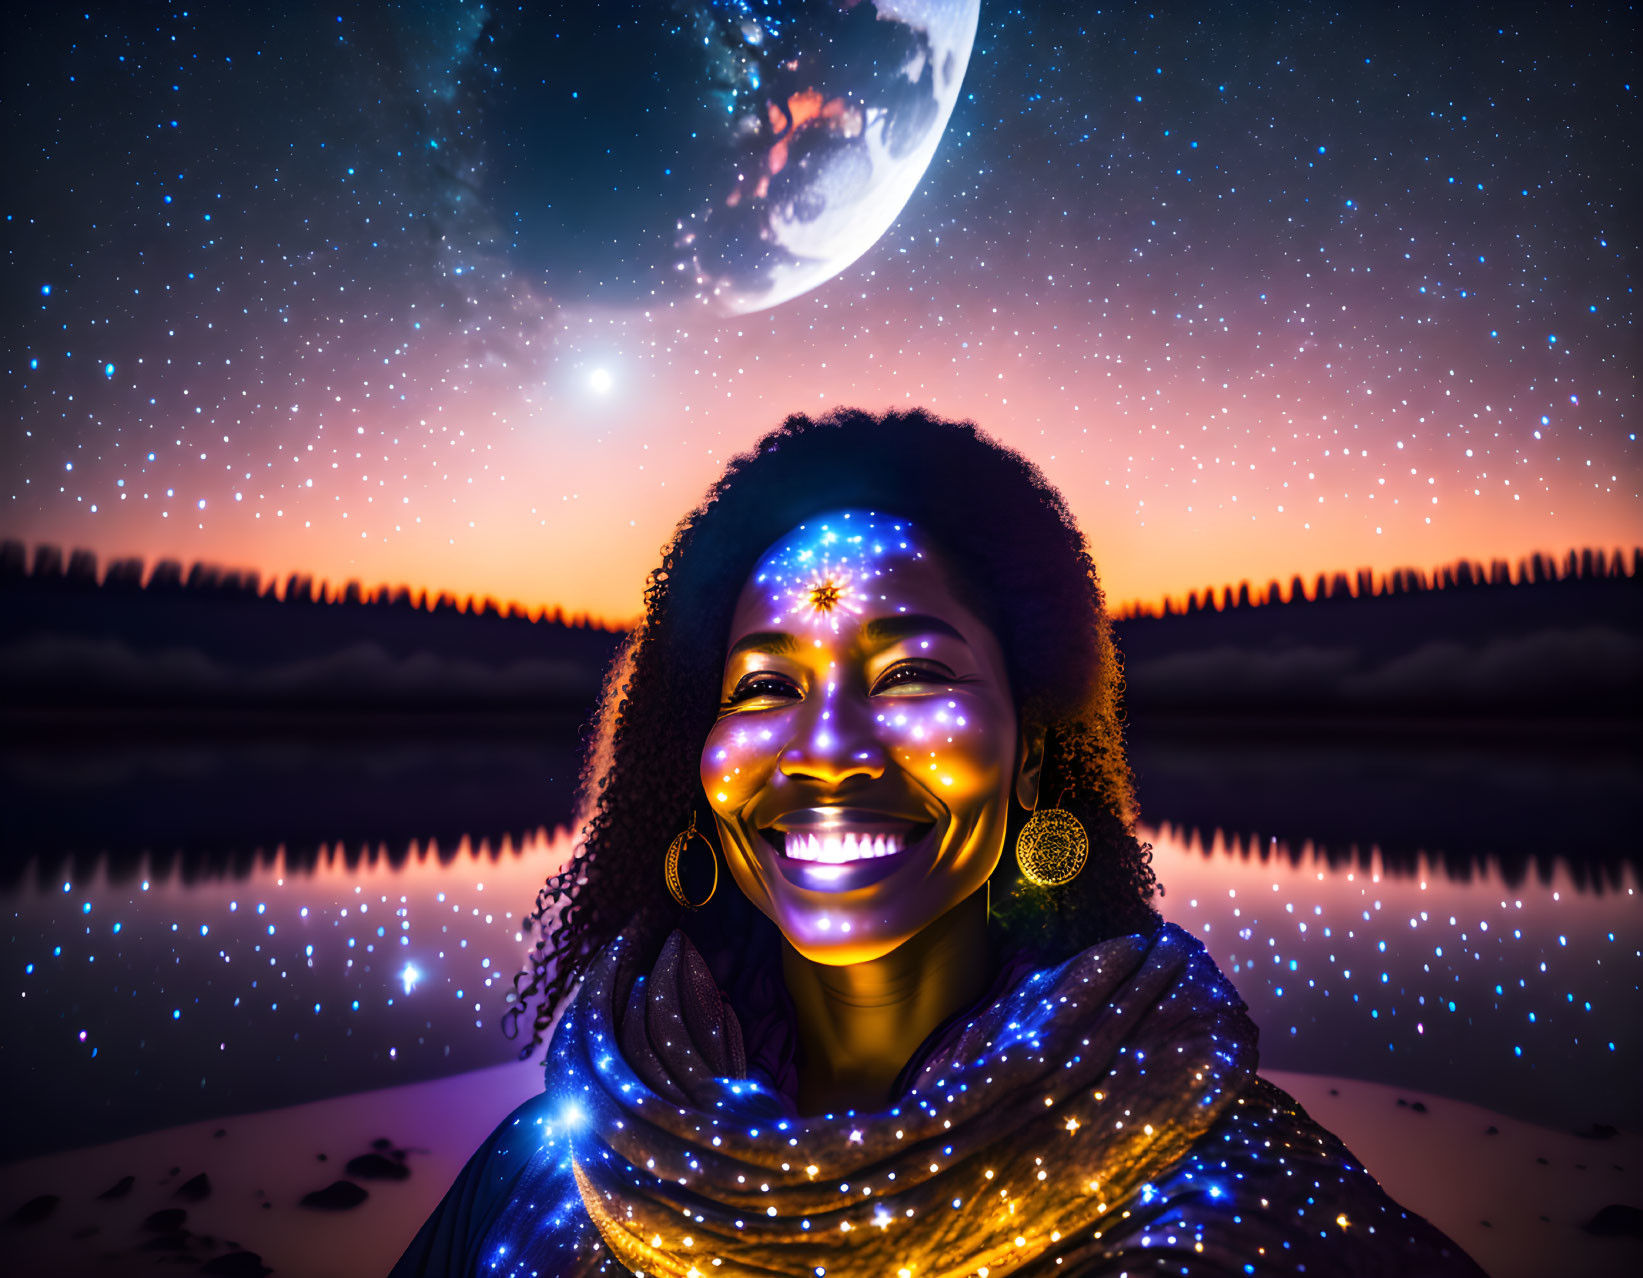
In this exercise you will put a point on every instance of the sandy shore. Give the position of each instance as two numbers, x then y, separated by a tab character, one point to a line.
1515	1195
226	1197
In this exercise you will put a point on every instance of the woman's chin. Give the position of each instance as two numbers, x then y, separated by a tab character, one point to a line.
837	950
840	931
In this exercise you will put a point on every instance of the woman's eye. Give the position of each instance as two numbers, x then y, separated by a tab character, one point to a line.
912	675
762	685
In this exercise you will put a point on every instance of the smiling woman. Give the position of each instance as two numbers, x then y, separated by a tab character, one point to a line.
860	773
868	660
866	733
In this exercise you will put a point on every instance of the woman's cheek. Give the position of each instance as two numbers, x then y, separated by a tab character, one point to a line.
950	746
737	761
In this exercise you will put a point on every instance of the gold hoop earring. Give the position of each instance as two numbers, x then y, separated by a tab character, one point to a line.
1052	847
670	867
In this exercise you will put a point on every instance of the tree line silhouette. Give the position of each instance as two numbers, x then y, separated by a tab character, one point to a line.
206	641
49	570
1588	564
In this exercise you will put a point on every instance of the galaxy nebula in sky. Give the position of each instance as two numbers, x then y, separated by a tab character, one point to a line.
411	294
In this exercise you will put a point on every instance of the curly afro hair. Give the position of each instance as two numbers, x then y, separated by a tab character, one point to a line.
1009	532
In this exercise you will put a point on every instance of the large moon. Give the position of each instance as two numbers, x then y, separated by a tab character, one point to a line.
733	154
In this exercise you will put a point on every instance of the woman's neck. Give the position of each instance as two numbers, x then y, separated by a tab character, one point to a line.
859	1024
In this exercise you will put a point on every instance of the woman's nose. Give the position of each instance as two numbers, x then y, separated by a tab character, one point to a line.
836	741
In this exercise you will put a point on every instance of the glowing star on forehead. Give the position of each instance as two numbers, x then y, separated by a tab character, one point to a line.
827	592
825	597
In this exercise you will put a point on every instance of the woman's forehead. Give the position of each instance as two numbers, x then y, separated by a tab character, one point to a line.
835	567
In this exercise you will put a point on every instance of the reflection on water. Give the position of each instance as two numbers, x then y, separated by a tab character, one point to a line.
160	968
152	1001
1487	799
1520	998
214	807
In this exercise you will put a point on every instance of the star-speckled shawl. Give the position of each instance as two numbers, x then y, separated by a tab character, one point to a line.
1053	1104
1096	1118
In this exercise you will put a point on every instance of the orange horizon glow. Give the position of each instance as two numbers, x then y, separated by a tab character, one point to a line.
610	594
529	487
567	499
1290	588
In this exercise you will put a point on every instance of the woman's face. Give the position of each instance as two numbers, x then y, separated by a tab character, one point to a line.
866	747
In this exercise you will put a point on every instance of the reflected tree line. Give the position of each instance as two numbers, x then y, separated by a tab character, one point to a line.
210	864
1498	800
124	865
1514	868
209	808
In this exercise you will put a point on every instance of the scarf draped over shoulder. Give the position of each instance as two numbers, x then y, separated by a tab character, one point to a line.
1101	1116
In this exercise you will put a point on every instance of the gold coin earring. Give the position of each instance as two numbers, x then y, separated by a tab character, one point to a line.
1052	847
670	867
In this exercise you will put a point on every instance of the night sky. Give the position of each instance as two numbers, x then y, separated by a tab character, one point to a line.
386	296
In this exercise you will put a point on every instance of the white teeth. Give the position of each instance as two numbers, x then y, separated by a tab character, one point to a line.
832	847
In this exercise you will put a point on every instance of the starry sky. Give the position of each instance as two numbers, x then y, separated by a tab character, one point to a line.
1265	290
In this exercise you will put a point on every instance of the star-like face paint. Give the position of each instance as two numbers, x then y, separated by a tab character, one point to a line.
866	748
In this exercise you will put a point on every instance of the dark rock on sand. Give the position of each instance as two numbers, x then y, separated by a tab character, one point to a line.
339	1195
236	1264
196	1189
376	1167
176	1240
1617	1220
381	1143
165	1221
1599	1131
35	1210
85	1231
119	1189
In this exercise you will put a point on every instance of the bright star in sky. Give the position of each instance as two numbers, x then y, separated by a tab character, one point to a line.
409	976
600	381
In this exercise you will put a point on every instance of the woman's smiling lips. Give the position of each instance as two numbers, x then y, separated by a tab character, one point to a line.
837	849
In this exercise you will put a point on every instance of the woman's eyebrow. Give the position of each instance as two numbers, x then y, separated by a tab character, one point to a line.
777	642
888	630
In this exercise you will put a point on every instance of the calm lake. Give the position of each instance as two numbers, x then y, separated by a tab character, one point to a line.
199	929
